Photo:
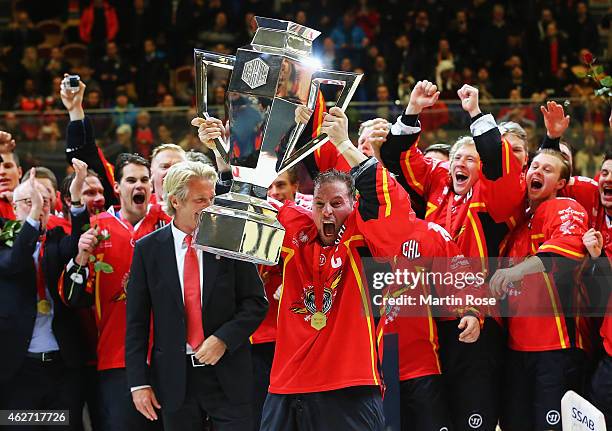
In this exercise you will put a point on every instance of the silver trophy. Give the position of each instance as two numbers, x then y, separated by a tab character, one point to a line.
271	78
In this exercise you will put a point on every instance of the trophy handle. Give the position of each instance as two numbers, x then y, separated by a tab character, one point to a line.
202	59
349	82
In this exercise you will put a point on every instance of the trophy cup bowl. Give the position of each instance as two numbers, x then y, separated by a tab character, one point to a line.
271	78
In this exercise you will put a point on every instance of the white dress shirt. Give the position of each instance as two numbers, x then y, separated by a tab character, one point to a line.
180	250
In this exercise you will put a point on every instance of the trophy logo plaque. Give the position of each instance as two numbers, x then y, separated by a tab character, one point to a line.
271	77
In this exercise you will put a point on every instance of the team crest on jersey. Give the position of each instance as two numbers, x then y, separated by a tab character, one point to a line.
568	218
306	304
122	296
300	239
105	243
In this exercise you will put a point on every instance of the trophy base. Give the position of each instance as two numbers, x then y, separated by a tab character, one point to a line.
237	231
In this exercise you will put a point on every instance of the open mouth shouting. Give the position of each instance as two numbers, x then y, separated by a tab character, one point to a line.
139	198
536	184
606	194
329	229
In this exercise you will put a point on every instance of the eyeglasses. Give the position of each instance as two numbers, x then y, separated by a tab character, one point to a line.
28	202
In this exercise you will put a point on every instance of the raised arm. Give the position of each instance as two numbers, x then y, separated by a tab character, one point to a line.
399	152
81	142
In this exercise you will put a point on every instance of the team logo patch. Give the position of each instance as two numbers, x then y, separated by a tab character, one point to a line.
553	417
322	260
568	216
475	421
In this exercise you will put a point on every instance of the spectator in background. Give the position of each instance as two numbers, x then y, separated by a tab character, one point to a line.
218	33
111	71
493	39
379	76
423	42
123	111
328	56
153	69
402	62
21	33
517	111
164	134
583	31
588	160
462	39
121	144
32	66
553	52
446	80
144	134
349	38
11	125
55	64
142	25
99	24
368	18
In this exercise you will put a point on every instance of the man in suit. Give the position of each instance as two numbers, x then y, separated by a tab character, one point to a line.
204	308
40	370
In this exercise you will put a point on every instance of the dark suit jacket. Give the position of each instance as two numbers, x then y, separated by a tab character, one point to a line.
18	294
233	306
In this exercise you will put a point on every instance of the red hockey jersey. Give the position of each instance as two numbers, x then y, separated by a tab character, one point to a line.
427	248
108	290
544	307
331	280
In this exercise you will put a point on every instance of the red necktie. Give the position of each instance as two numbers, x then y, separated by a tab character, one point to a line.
193	302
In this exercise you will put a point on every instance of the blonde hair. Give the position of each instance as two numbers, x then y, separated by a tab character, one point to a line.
177	178
463	140
166	147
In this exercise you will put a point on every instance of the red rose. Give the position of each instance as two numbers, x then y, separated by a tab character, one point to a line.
587	57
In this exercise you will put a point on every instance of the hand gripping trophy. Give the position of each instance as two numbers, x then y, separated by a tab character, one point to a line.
271	78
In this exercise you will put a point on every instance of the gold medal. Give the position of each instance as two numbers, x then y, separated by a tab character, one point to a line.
43	306
318	320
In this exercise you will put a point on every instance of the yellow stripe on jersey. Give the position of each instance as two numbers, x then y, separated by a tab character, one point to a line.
413	180
385	187
481	252
99	257
430	209
555	311
430	322
561	249
366	305
290	252
507	156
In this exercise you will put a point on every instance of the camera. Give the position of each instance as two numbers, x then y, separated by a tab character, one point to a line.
72	83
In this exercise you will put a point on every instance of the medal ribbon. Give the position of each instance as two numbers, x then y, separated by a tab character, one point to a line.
318	288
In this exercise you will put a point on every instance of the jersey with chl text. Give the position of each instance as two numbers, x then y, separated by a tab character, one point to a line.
108	289
426	249
544	307
331	280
